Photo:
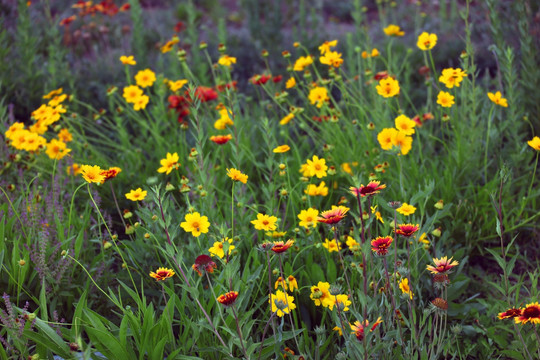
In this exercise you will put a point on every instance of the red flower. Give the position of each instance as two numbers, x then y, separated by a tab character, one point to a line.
407	230
531	313
277	78
333	216
68	20
381	244
125	7
205	94
509	314
221	139
228	299
179	27
231	85
260	79
370	189
280	246
205	263
381	75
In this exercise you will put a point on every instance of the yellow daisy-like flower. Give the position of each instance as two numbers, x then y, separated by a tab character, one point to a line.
286	119
388	87
405	288
282	303
325	47
405	125
65	135
265	222
127	60
293	284
53	93
177	85
317	167
57	100
318	95
308	218
226	60
302	63
529	314
406	209
341	301
195	224
445	99
145	78
314	190
290	83
442	265
136	195
426	41
169	45
386	138
237	175
404	142
331	245
132	93
141	102
92	174
452	77
331	58
320	294
534	143
282	149
217	248
498	99
169	164
162	273
393	30
57	149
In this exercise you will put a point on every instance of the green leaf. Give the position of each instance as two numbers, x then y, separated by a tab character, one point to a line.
106	343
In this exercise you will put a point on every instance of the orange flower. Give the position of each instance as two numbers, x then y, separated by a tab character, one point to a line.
381	244
370	189
358	328
509	314
442	265
205	263
531	313
162	274
333	216
221	139
110	173
228	299
407	230
280	246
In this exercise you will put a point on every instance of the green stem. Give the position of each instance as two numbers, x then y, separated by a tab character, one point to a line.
490	118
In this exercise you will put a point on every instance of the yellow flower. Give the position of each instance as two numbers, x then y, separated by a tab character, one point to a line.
317	167
404	142
53	93
265	222
57	100
141	102
285	120
388	87
393	30
342	301
375	52
65	135
534	143
217	249
405	288
162	273
314	190
132	93
281	303
169	164
406	209
346	167
308	217
282	149
331	58
452	77
136	195
386	138
405	124
331	245
302	63
293	284
57	149
498	99
352	244
325	47
290	83
226	60
145	78
280	282
169	44
127	60
224	120
426	41
177	85
377	214
445	99
196	224
92	174
237	175
318	95
320	294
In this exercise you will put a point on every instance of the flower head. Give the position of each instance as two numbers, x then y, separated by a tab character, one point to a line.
290	83
226	60
169	164
372	188
381	244
325	47
293	284
332	59
281	149
331	245
341	301
407	230
320	294
308	217
405	288
318	95
406	209
426	41
531	313
509	314
393	30
452	77
317	167
388	87
217	248
279	246
442	265
196	224
136	195
302	63
132	93
57	149
111	173
221	139
405	125
358	328
282	303
177	85
162	274
127	60
265	222
204	263
65	135
534	143
498	99
145	78
227	299
333	216
445	99
386	138
92	174
317	190
237	175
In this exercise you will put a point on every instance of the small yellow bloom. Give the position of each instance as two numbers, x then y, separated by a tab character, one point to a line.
388	87
445	99
406	209
282	303
403	141
331	245
226	60
331	58
286	119
405	124
290	83
145	78
265	222
498	99
317	167
534	143
318	95
177	85
141	102
426	41
302	63
53	93
65	135
132	93
342	301
405	288
127	60
92	174
169	44
386	138
325	47
237	175
136	195
393	30
57	149
217	248
169	164
314	190
282	149
195	224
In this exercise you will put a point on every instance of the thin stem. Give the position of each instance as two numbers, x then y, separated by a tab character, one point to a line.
264	333
287	302
344	268
270	289
239	333
117	207
516	329
490	118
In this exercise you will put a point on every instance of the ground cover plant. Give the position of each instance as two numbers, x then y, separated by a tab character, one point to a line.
169	192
